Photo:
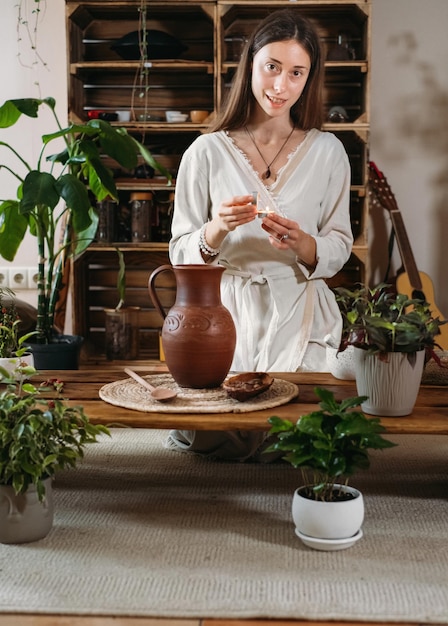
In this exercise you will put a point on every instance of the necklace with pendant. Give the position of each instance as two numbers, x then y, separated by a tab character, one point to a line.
267	173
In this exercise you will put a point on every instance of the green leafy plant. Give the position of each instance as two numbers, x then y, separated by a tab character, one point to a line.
11	340
56	197
380	321
40	436
328	445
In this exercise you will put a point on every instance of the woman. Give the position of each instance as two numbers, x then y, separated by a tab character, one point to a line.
267	145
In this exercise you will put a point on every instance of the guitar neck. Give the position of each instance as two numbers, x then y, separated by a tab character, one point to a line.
405	249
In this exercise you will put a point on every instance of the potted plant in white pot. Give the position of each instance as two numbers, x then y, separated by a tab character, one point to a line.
392	336
14	352
39	436
55	202
329	446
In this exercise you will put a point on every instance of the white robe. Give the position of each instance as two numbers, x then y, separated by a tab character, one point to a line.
281	310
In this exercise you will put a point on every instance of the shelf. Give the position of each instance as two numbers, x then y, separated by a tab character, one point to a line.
99	79
144	183
155	246
79	68
361	66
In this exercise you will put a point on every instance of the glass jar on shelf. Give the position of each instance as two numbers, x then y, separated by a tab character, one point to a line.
107	220
141	215
164	205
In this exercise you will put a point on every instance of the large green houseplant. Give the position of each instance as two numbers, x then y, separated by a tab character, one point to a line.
328	446
56	196
40	435
392	336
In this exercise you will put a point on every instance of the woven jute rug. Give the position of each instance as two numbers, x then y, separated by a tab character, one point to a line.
141	530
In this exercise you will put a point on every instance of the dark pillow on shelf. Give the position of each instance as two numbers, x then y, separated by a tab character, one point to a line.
160	45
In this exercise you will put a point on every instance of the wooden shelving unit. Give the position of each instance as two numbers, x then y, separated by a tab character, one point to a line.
99	79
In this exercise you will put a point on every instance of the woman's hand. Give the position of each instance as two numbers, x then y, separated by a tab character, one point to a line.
232	213
286	234
235	212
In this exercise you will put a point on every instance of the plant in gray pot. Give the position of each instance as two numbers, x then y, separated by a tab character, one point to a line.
328	446
55	203
392	335
39	435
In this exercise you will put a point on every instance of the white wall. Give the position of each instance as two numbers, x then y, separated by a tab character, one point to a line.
31	80
409	128
409	125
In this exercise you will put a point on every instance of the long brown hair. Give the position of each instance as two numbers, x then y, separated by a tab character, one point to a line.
283	25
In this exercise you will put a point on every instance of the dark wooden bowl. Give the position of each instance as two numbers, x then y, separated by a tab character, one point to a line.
242	387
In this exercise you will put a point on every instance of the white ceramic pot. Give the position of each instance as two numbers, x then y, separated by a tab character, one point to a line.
341	364
328	520
23	518
11	364
392	385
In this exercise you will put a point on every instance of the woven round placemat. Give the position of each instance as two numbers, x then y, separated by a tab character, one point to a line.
130	395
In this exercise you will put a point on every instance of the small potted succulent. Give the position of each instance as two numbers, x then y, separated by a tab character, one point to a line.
392	336
39	435
328	446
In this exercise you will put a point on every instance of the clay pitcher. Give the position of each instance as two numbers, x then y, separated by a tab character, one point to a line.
198	333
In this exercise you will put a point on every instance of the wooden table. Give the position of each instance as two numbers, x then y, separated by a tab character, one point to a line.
430	415
82	386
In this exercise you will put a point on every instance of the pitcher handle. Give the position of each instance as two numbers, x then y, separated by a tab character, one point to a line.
152	288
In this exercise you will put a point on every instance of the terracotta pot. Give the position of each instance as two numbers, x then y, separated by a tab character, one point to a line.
198	333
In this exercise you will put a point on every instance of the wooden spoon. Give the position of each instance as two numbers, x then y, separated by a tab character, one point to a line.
161	394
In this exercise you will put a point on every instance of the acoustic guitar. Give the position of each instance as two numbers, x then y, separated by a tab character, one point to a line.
411	281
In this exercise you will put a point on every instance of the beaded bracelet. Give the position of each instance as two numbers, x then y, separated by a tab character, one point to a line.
203	245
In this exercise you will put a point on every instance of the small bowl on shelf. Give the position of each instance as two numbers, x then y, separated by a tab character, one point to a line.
244	386
199	116
176	116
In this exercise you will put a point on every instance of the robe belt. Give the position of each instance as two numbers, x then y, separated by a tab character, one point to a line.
249	312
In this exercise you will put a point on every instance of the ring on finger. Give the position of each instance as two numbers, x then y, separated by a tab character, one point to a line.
285	236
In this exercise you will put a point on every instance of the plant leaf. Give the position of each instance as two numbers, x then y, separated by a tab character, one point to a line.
13	226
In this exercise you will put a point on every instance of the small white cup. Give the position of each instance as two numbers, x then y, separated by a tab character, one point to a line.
123	116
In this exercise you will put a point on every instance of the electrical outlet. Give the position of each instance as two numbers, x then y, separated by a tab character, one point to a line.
32	278
18	278
4	277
